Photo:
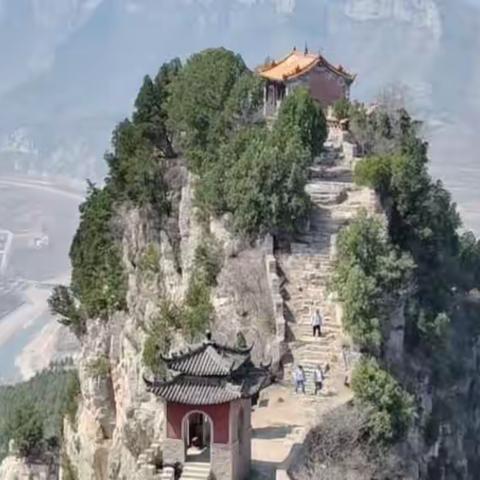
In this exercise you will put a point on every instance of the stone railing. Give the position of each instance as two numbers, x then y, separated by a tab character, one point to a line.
274	282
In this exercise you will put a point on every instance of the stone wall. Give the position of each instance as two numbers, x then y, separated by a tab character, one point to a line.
274	282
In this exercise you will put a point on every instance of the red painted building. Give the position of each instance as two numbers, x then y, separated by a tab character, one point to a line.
207	400
327	83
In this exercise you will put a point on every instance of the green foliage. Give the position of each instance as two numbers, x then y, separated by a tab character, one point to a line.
150	260
136	168
72	396
243	105
158	338
385	131
255	174
369	273
135	178
391	407
199	94
69	471
265	186
98	278
25	427
375	172
300	115
63	304
198	310
341	109
469	260
434	327
150	107
37	406
99	368
211	109
208	260
423	222
193	317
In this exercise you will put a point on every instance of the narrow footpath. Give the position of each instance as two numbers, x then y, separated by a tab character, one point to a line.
282	418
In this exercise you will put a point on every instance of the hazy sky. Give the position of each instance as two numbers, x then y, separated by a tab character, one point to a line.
71	68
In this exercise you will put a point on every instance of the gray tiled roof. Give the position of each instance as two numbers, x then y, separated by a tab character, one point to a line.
209	374
192	392
208	359
209	391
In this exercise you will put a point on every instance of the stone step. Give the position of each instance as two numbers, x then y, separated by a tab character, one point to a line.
309	250
168	473
328	324
304	326
299	264
195	471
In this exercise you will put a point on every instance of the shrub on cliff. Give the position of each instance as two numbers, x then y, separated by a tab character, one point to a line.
98	278
391	408
169	318
63	303
369	273
423	222
208	260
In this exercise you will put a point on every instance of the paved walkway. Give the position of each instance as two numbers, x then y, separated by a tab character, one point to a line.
280	423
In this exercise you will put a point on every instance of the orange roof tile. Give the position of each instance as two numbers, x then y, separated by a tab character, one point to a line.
296	64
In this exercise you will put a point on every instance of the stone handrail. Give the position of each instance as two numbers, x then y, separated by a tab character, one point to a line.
274	282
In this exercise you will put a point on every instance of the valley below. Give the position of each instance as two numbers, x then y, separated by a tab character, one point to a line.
41	216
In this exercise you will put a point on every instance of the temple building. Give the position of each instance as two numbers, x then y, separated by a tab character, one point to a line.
326	83
207	398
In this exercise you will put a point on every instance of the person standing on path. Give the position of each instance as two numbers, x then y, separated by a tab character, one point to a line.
317	323
318	377
346	364
299	377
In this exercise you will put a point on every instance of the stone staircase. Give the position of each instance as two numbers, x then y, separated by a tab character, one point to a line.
308	266
195	471
147	464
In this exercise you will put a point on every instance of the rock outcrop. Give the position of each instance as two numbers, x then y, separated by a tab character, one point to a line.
119	424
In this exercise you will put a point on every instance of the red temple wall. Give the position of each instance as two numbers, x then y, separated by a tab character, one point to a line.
326	87
219	414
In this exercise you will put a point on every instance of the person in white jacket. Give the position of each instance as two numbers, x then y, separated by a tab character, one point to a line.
299	377
318	377
317	322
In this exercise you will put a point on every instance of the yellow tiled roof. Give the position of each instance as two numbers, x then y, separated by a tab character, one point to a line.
296	64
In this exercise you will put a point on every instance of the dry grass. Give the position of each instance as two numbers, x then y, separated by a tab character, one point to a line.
338	449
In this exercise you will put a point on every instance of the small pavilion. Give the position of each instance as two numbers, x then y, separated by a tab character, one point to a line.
327	83
208	399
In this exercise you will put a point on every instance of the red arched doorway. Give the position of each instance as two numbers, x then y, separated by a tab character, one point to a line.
197	437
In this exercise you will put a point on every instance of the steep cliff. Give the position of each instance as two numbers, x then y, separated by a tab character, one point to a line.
117	419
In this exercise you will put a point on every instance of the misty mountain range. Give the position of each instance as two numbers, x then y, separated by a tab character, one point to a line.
71	68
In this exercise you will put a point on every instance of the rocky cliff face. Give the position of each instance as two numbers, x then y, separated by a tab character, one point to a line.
444	438
117	419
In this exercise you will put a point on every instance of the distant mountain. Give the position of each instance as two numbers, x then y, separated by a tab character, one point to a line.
72	67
